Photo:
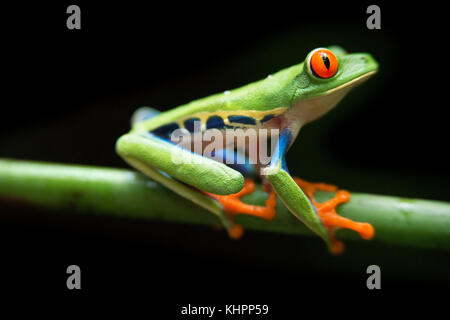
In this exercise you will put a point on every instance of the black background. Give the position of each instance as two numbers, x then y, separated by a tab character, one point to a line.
68	94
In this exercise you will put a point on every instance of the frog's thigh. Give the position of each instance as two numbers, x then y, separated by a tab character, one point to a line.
148	152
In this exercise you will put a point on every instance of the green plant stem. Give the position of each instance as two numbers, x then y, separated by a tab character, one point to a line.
126	193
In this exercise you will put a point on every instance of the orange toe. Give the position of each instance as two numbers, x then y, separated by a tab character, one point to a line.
233	205
236	231
328	215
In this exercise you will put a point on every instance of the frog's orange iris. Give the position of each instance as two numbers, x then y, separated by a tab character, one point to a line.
323	63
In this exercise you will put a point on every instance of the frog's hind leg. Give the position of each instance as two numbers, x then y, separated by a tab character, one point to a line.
159	160
328	215
233	205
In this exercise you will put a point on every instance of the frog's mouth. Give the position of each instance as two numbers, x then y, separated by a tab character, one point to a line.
308	110
353	83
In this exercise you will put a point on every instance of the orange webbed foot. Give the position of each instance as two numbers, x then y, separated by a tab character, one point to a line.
232	205
328	215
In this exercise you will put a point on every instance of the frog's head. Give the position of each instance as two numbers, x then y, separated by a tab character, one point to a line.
325	77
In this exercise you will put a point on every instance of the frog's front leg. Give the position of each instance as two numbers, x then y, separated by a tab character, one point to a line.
155	157
289	192
298	196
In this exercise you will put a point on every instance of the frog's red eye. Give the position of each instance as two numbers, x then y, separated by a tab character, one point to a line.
323	63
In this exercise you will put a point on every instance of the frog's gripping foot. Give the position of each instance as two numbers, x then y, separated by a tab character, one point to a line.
232	205
327	212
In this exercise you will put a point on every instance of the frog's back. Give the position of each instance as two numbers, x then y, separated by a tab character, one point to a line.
249	105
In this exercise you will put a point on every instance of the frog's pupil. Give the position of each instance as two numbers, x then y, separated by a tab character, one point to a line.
326	61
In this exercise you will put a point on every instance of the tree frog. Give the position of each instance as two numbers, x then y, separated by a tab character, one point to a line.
286	101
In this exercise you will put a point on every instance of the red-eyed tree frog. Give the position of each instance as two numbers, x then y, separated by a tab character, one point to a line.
284	101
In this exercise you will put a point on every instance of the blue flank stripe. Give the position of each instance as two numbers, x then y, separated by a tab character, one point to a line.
214	122
267	118
234	160
166	129
242	119
189	124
